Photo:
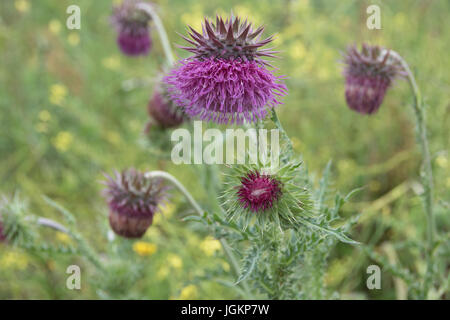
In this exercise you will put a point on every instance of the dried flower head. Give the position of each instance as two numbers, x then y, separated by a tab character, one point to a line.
226	80
266	195
163	111
133	200
369	73
132	28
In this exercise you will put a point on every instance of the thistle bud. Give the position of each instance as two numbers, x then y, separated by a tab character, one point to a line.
368	74
132	27
133	201
2	228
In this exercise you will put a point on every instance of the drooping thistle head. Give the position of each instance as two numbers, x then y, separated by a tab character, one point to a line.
369	72
266	195
133	201
132	27
163	111
226	80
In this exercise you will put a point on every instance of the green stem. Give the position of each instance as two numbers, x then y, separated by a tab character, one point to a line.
226	248
427	174
148	9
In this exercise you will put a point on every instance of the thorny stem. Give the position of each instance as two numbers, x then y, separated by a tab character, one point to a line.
427	174
200	212
148	9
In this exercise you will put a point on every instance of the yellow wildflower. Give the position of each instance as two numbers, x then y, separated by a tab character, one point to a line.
58	93
51	265
22	5
210	245
144	249
112	63
174	261
54	26
385	211
73	39
63	140
189	292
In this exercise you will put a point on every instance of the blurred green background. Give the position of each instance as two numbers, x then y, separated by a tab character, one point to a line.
65	118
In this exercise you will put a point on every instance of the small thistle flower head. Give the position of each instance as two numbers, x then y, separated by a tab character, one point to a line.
369	73
163	111
266	195
133	201
132	27
226	80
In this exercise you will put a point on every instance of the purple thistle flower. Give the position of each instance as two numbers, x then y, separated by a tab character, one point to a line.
226	81
163	111
258	192
2	235
369	73
132	28
133	201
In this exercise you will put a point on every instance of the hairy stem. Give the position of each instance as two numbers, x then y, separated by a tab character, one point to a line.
148	9
427	173
226	248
